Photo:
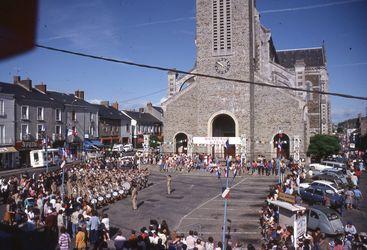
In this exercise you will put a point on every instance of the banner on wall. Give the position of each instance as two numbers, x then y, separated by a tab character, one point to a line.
216	140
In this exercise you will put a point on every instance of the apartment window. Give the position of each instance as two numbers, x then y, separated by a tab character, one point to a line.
58	130
58	115
2	134
25	112
24	130
73	116
300	77
91	131
2	108
40	111
40	130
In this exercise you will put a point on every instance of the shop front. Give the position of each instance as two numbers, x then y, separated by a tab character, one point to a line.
24	148
9	158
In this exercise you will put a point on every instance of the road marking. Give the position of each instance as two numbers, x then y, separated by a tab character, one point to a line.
203	204
192	218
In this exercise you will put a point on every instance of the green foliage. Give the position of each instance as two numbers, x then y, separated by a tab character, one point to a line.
322	146
153	141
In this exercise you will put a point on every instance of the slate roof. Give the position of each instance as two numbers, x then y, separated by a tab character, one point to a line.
313	57
159	109
20	93
143	118
68	99
110	113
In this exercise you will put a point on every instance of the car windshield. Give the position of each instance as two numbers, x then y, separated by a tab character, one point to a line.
334	185
332	216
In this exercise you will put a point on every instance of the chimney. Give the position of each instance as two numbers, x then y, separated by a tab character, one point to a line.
141	110
79	94
16	79
115	105
27	84
41	87
105	103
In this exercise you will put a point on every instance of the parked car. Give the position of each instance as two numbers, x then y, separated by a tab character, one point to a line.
317	167
316	195
340	181
128	148
327	184
326	219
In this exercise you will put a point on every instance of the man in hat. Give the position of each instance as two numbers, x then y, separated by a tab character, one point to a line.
169	184
134	197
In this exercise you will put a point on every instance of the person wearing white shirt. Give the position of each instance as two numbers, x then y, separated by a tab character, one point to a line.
190	241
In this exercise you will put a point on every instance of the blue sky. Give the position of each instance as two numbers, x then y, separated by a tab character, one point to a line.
162	32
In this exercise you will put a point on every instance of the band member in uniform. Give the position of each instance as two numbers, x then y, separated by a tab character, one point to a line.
134	198
169	184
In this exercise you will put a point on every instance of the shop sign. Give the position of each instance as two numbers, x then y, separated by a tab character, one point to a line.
26	145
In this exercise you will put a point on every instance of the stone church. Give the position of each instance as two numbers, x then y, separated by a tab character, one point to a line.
202	113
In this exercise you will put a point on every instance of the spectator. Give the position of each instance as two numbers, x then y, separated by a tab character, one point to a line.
80	239
64	239
119	241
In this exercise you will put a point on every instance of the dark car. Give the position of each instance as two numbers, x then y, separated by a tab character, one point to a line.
316	195
341	181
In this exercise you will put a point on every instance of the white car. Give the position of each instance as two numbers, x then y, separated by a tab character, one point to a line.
319	167
128	148
118	148
322	183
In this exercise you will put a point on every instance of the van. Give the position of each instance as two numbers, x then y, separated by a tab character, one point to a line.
118	148
324	218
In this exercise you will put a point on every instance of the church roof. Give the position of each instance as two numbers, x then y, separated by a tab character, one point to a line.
312	57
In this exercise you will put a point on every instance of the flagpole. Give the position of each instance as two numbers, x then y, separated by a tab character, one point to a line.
225	207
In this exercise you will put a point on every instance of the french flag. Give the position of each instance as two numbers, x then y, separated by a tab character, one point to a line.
225	193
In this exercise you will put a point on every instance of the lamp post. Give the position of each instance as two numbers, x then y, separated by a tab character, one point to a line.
225	207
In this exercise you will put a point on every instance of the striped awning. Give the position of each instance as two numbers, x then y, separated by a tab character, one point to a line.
5	150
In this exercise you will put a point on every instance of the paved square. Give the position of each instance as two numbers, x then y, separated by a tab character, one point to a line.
196	204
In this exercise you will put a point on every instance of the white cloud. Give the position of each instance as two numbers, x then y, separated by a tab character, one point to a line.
310	7
95	101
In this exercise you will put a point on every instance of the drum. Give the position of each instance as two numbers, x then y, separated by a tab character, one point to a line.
115	194
100	198
79	199
94	201
126	186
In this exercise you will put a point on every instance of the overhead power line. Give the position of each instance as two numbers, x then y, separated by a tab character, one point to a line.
263	84
190	73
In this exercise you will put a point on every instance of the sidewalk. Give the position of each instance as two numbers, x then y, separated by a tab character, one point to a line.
359	217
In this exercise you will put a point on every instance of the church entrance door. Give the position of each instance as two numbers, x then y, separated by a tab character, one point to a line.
181	143
223	126
281	143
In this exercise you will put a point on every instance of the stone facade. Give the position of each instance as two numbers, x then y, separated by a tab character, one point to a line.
245	51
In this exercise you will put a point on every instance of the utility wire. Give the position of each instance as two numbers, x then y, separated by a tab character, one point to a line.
263	84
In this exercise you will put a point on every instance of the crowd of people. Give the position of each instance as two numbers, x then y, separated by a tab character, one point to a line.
157	236
276	236
46	202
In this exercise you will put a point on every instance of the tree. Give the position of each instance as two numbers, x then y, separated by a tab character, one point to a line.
322	146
